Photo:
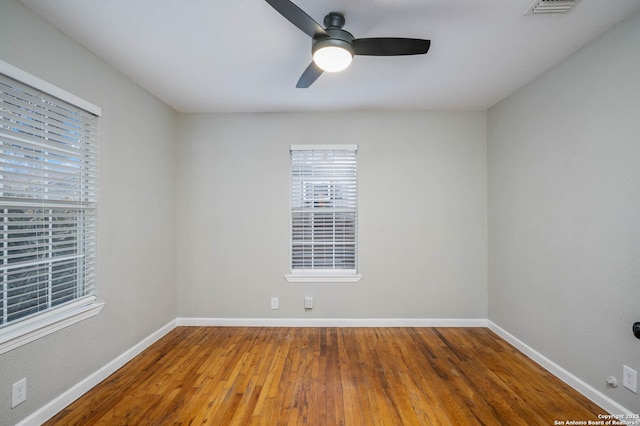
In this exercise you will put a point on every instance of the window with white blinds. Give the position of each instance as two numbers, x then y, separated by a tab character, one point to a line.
48	203
324	210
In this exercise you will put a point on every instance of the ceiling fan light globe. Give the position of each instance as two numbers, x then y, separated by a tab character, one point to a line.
332	58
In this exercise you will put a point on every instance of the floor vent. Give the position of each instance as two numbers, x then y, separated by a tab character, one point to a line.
551	6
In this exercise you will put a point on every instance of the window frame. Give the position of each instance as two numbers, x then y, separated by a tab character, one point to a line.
322	275
24	330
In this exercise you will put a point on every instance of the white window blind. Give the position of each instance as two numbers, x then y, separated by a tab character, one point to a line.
324	209
48	202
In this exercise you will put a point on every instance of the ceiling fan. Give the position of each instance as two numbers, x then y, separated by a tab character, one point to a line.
333	48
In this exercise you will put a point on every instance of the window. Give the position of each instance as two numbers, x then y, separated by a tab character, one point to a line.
324	213
48	210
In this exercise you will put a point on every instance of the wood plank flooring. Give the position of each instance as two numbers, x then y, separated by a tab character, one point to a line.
329	376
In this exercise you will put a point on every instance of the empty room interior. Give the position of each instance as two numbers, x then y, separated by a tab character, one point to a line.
476	167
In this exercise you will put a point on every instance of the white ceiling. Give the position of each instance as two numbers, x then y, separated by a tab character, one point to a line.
242	56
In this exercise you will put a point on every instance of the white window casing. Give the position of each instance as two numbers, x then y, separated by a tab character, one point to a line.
48	208
324	213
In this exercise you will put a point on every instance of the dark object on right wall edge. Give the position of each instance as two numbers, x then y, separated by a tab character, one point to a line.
636	329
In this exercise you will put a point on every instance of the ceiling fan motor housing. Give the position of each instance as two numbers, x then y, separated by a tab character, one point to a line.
337	37
334	35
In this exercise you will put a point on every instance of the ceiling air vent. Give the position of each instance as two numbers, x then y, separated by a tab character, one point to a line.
551	6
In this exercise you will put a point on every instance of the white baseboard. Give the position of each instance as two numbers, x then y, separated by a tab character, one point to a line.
331	322
62	401
585	389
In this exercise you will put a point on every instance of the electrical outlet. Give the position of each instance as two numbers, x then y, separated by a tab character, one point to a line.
19	394
308	302
274	303
629	379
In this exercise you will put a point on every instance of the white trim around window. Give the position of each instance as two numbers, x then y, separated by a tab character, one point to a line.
48	208
322	278
323	214
39	326
48	88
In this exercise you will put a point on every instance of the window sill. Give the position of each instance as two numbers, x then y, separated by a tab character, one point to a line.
295	278
21	333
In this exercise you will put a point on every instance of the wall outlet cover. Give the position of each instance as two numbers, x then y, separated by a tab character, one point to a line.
629	379
19	392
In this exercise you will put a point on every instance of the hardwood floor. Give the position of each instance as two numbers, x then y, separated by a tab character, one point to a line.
329	376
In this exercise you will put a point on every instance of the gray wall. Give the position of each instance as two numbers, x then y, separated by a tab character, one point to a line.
137	215
422	215
564	211
563	184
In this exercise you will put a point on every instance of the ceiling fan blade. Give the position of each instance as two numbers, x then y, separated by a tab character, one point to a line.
309	75
390	46
298	17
